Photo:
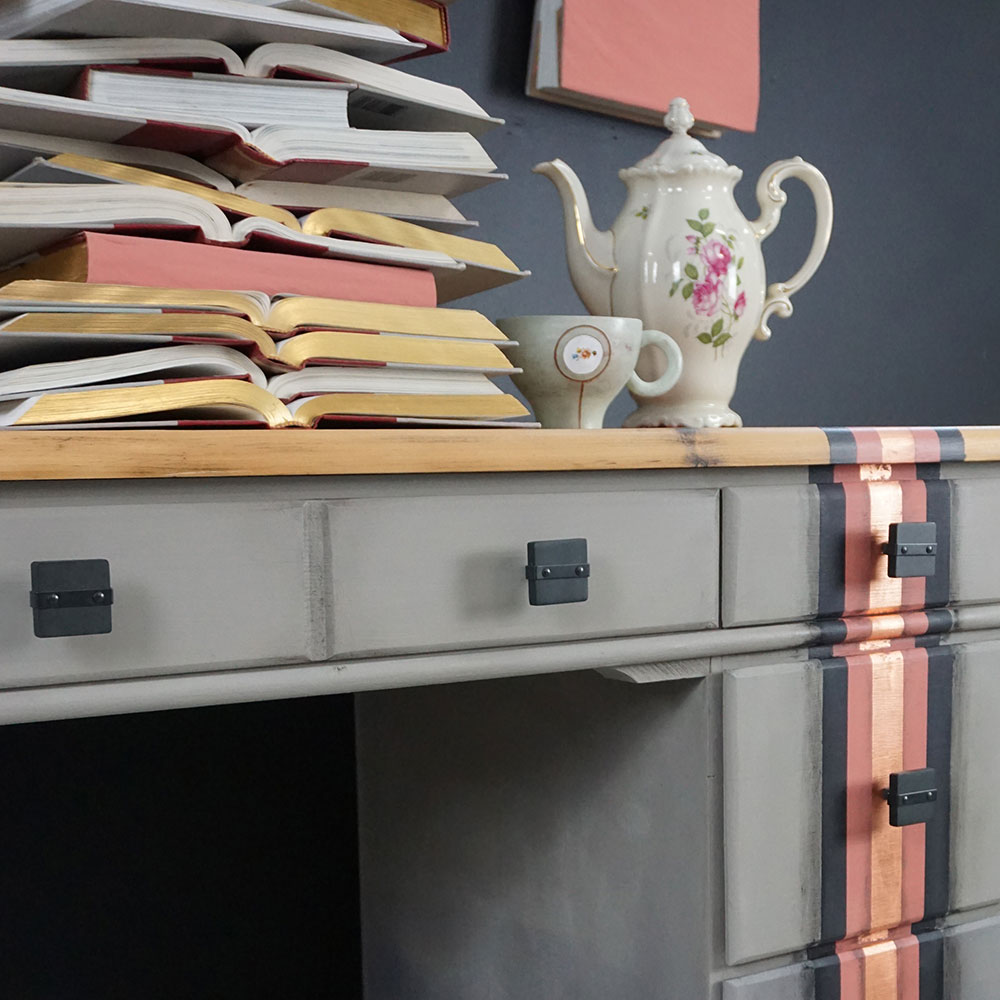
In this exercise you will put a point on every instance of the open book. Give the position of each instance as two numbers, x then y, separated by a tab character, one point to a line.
352	224
157	363
378	96
234	22
30	338
214	401
321	379
62	308
448	163
431	210
422	20
71	168
438	162
36	216
383	93
282	315
20	149
311	104
197	361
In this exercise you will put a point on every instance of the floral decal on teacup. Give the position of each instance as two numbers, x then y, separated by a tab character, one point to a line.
581	356
711	282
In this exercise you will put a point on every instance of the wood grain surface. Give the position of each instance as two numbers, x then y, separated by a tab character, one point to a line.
158	454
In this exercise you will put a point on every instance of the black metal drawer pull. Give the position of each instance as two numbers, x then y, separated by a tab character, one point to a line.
912	796
557	571
71	597
912	548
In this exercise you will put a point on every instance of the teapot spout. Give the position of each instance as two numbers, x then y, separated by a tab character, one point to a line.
590	251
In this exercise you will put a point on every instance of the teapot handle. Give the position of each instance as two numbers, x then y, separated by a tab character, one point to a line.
771	199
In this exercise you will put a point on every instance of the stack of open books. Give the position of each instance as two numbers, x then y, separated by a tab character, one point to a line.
234	210
87	353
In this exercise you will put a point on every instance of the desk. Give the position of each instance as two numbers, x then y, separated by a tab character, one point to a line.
670	790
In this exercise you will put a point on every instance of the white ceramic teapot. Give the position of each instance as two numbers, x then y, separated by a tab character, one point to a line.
683	259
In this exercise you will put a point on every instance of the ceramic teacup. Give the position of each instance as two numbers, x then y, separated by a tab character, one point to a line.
574	366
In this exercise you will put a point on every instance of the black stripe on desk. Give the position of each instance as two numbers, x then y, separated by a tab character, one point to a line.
832	544
826	972
940	674
843	446
833	851
952	444
931	944
938	587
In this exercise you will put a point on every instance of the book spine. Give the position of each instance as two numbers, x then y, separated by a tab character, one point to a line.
117	260
188	64
191	140
144	69
433	46
246	162
81	86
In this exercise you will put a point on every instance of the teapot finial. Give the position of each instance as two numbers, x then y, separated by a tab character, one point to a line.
679	118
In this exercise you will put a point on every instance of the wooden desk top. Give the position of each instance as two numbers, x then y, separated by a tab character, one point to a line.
156	454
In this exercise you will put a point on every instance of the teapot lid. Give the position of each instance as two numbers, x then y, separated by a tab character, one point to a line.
680	152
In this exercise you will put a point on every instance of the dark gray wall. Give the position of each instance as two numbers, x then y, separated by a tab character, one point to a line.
896	103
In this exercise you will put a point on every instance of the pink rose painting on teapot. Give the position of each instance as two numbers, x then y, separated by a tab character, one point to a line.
712	281
682	258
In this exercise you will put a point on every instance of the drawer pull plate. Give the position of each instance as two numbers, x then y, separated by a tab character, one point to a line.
912	548
912	796
557	571
71	597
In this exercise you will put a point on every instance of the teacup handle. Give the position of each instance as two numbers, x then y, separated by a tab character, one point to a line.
675	365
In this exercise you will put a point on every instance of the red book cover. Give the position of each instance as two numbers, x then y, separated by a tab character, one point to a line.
136	260
644	53
433	45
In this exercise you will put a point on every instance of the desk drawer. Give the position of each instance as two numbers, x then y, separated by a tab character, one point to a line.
195	586
448	572
972	960
796	982
808	747
798	552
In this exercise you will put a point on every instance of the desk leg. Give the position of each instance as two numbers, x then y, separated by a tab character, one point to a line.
535	838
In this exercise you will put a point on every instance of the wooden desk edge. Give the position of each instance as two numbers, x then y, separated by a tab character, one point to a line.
153	454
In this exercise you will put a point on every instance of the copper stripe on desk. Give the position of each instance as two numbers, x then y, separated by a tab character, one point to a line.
902	966
136	454
883	710
886	708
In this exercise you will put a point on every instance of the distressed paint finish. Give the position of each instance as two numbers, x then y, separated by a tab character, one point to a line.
975	860
772	809
972	960
451	570
795	982
196	587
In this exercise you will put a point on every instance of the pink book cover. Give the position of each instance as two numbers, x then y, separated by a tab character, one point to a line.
644	53
137	260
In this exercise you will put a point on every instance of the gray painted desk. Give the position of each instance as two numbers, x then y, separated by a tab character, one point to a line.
644	795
